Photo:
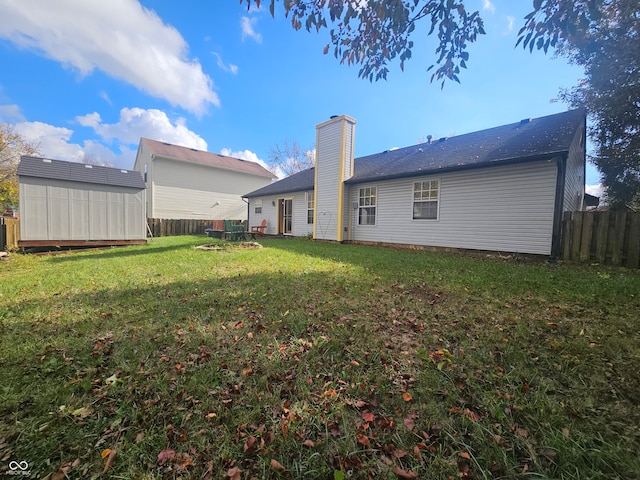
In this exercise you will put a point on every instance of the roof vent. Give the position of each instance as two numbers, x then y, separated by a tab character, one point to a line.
123	171
88	166
46	160
524	121
333	116
442	139
429	138
420	150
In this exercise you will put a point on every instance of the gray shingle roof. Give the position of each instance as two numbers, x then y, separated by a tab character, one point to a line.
301	181
79	172
524	141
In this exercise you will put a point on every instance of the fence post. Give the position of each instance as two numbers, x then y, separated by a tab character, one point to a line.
567	232
585	238
602	233
617	242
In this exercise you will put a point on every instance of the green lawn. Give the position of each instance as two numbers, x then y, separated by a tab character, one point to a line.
314	360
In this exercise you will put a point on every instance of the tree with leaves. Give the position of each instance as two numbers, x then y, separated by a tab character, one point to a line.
290	158
12	146
603	36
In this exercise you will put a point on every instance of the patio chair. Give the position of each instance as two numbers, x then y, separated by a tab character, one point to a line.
233	232
259	229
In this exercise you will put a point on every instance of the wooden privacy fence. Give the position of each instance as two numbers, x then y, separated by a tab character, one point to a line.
162	227
611	238
9	233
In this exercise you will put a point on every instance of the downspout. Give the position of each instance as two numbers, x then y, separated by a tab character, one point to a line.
556	236
248	213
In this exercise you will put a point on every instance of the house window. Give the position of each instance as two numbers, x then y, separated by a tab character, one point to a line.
310	207
425	199
146	171
258	209
367	206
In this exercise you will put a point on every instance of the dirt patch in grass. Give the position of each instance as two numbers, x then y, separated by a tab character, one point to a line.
229	246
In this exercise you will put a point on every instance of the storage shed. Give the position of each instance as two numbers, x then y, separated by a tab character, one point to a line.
74	204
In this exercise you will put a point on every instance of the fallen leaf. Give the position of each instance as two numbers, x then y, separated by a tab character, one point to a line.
110	460
309	443
522	433
105	452
404	474
363	439
464	455
234	473
409	423
166	456
250	444
139	437
211	415
406	396
276	465
368	417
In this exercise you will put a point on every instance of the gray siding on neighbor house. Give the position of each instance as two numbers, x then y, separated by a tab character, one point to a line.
190	191
506	208
575	173
59	210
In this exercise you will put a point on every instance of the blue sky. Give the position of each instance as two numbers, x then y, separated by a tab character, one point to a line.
87	78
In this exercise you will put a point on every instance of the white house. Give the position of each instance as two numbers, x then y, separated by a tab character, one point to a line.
501	189
74	204
184	183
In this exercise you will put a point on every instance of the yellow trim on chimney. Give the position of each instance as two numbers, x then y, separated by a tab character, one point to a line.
343	154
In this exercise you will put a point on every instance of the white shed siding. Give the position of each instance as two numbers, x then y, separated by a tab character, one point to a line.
189	191
507	208
63	210
328	151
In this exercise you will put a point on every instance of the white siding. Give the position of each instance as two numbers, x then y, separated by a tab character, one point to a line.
507	208
328	151
334	145
63	210
575	172
300	227
186	190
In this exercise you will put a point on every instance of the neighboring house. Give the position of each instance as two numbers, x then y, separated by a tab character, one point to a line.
502	189
75	204
184	183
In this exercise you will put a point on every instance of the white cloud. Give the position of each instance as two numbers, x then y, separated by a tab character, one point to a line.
11	113
52	141
248	31
596	190
137	122
244	155
227	68
119	37
510	21
487	5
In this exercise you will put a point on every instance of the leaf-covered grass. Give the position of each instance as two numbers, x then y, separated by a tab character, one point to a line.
314	360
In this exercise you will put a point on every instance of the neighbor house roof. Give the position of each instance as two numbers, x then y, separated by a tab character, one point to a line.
523	141
187	154
78	172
